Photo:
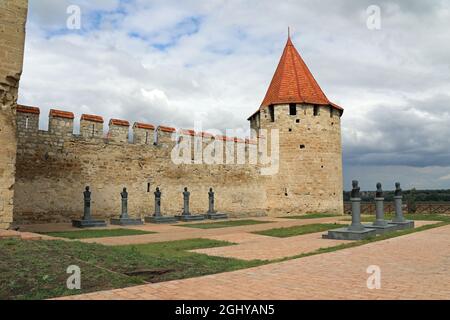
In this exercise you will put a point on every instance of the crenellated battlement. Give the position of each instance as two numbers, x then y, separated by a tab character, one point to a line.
60	131
61	125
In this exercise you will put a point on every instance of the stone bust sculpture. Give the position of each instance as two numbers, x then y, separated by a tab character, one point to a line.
157	193
398	190
379	193
124	193
355	189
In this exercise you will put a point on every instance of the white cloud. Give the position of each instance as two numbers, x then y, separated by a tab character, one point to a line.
176	62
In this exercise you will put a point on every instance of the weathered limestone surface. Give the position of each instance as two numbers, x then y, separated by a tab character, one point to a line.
310	172
12	38
53	168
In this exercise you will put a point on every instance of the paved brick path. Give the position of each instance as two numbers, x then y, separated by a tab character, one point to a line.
269	248
11	234
414	266
253	246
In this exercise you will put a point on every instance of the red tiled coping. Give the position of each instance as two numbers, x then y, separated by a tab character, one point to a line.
188	132
27	109
141	125
205	134
166	129
225	138
239	140
118	122
248	141
61	114
93	118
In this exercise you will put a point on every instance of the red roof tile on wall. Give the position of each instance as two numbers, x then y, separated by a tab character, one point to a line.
93	118
141	125
61	114
188	132
118	122
205	134
166	129
225	138
27	109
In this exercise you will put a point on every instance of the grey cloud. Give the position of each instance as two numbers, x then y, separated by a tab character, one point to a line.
416	134
393	82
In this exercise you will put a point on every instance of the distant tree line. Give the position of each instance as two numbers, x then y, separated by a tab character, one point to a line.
409	195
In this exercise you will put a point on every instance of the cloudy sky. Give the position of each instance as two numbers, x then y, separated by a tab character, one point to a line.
176	62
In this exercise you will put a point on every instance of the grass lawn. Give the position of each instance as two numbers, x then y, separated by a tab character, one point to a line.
100	233
223	224
37	269
312	216
298	230
412	216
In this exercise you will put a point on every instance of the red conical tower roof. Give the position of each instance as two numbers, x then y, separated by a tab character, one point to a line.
294	83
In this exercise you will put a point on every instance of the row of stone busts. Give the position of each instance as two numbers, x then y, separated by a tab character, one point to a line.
91	127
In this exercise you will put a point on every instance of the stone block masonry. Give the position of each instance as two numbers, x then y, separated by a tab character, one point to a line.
54	166
12	38
310	173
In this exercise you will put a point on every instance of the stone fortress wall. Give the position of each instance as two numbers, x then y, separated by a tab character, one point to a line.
54	166
12	38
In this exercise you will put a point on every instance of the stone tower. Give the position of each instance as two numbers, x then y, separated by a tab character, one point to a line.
13	15
309	178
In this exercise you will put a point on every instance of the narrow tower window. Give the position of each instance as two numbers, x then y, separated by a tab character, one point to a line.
292	109
26	122
93	130
148	187
316	111
146	137
272	113
155	137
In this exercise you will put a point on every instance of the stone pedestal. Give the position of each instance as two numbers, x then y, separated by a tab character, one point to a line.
356	231
381	225
124	219
216	216
126	222
189	217
161	219
157	216
347	234
212	213
88	223
186	216
399	220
